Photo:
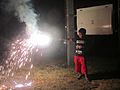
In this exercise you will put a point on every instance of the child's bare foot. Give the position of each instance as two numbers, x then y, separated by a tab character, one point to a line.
86	77
79	75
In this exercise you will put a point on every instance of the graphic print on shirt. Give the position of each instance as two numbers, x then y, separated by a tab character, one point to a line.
79	47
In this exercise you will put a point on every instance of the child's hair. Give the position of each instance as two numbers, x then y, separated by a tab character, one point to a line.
82	30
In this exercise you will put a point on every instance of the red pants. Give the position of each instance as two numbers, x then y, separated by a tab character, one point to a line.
79	62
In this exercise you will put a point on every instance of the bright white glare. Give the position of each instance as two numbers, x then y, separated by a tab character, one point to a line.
40	39
19	85
23	85
28	84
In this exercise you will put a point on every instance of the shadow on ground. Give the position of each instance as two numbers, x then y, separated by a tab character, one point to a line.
105	75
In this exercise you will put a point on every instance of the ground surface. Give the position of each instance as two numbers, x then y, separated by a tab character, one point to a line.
103	75
59	78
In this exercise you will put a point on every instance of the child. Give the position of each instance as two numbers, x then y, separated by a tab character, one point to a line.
79	58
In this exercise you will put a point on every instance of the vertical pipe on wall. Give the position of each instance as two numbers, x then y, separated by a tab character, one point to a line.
69	27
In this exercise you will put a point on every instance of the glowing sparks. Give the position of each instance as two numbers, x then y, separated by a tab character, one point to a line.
21	49
19	56
3	87
28	84
31	66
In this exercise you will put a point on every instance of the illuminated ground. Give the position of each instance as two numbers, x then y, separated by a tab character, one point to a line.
58	77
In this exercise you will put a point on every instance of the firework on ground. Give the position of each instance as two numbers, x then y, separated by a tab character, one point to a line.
21	49
19	57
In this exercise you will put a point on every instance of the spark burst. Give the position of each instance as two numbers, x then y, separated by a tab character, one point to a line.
21	49
19	58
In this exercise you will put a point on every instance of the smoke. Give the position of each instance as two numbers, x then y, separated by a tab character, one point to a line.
24	11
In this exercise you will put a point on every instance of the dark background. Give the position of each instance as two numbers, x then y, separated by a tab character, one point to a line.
102	45
53	13
97	45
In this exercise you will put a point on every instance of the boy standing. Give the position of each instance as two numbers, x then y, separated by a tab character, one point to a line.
79	58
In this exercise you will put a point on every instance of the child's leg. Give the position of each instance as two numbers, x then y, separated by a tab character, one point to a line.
83	67
76	64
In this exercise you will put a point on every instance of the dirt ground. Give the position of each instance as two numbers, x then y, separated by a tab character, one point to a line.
103	75
59	78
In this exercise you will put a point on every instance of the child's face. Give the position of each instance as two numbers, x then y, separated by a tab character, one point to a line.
79	34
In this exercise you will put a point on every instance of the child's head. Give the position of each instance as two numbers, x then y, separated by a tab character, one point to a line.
81	32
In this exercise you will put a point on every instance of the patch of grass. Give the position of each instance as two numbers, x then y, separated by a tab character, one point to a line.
53	77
